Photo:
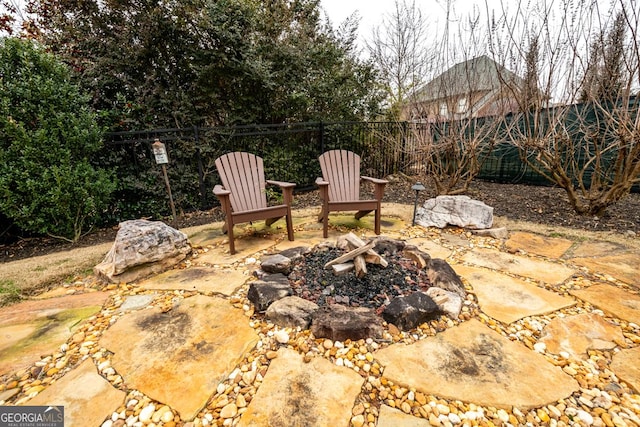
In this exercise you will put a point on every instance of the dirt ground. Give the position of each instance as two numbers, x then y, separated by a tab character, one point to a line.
540	209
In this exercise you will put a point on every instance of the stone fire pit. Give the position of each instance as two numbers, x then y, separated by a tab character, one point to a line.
403	286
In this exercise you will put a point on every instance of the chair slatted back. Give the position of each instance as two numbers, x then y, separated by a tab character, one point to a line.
243	174
341	168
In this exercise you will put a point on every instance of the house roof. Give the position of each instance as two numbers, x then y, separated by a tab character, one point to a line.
475	75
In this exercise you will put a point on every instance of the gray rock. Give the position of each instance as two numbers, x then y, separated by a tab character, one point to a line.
340	323
135	302
276	264
496	233
448	302
441	275
263	293
291	312
407	312
455	210
295	253
141	248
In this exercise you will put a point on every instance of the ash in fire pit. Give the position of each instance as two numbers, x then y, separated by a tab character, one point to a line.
401	283
312	281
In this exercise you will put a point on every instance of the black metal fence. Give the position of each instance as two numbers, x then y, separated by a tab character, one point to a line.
290	153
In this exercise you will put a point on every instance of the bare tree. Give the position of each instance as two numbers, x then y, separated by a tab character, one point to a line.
398	48
451	144
591	149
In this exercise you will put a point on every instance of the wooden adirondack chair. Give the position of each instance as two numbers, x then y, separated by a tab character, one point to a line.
243	196
340	188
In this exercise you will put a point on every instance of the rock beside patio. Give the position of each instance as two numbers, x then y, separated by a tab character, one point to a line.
262	293
291	312
276	264
142	248
407	312
448	302
340	323
462	211
443	276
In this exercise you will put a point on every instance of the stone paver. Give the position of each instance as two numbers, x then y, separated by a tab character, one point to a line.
347	222
625	365
32	328
295	393
136	302
179	357
590	249
458	240
432	248
201	279
8	394
245	246
624	267
183	357
550	247
472	363
612	300
577	334
306	238
508	299
391	417
87	397
208	236
545	271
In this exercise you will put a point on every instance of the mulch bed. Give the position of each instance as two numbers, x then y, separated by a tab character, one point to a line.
543	205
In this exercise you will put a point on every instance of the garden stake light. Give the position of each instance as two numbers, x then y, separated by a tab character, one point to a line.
417	187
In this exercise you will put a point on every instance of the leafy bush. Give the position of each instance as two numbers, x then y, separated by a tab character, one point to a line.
47	138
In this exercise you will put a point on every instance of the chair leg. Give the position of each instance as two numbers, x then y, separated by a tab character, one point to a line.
232	246
325	225
360	214
289	226
377	221
269	221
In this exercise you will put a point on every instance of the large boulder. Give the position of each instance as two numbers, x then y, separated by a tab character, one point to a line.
462	211
142	248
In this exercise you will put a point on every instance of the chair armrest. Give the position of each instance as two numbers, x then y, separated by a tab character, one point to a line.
320	181
374	180
287	190
219	190
281	184
378	190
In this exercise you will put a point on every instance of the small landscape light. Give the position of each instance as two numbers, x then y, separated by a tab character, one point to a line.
417	187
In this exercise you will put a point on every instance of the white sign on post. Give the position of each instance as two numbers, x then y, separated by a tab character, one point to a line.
160	153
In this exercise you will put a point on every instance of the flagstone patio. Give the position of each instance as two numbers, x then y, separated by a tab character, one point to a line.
184	348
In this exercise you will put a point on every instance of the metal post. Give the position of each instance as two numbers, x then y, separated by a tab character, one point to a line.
166	181
417	187
160	153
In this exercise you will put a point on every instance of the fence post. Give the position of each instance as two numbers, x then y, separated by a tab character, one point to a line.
321	135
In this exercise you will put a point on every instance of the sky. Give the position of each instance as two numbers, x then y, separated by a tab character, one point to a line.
371	12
